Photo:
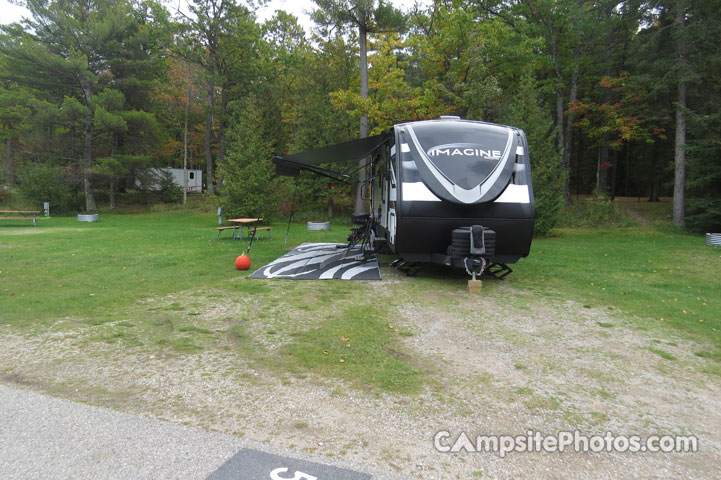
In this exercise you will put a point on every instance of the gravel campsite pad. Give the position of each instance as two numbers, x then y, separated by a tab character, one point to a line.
504	362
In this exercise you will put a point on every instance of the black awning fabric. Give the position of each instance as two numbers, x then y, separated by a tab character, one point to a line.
338	153
289	168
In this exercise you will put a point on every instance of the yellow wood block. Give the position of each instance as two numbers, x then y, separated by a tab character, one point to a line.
474	286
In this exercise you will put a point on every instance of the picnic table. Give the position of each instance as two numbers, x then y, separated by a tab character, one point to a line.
239	223
25	214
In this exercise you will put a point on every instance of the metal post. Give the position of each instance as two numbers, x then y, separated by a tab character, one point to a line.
292	207
220	216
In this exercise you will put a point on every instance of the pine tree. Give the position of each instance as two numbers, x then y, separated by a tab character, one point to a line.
548	179
77	48
248	188
368	16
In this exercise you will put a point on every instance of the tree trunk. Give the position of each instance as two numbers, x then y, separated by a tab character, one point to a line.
653	185
360	206
605	172
90	205
560	140
112	204
575	167
8	177
565	164
627	170
185	149
568	134
679	181
598	171
363	78
208	137
613	173
330	208
602	177
222	127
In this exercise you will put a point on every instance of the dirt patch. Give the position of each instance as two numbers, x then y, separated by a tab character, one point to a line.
15	230
634	213
501	363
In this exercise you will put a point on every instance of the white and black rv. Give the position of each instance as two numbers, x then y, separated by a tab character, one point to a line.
448	191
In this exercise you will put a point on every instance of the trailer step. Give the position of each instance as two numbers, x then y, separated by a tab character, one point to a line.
409	268
498	270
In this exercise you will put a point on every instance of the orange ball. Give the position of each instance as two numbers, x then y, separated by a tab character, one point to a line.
242	262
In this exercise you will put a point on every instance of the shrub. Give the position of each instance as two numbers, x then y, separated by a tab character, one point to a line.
40	183
548	191
597	211
248	189
170	192
5	195
703	215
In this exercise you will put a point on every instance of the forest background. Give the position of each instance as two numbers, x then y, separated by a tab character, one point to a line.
617	98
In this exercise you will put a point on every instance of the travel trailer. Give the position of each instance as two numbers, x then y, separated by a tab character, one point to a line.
448	191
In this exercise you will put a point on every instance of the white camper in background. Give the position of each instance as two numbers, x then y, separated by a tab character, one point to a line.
195	178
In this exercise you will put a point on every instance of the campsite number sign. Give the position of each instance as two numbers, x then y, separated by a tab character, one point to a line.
276	475
249	464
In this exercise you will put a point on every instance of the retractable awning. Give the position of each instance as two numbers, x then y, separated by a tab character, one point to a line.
340	154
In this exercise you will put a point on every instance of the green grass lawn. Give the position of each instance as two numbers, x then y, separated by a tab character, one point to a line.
64	268
142	280
145	281
658	279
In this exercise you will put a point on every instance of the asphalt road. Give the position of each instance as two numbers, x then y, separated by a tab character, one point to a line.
42	437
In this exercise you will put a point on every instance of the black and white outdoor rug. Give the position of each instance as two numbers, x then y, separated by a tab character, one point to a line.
321	261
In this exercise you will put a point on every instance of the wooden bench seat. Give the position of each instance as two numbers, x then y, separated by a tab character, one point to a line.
34	219
267	229
220	229
250	230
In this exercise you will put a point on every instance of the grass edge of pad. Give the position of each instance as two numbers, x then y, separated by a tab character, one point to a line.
358	346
